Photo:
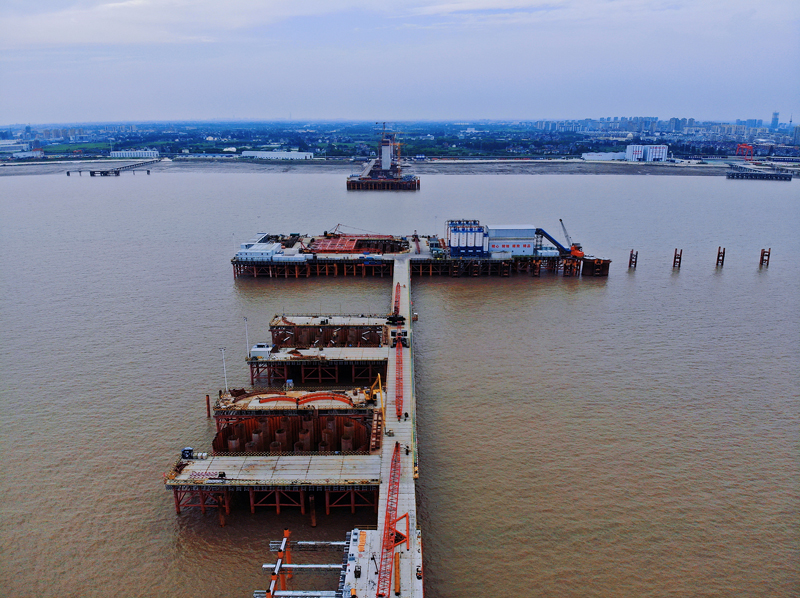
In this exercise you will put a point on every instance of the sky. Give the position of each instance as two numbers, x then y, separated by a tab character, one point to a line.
67	61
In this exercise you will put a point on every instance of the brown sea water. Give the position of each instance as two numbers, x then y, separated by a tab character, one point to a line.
635	435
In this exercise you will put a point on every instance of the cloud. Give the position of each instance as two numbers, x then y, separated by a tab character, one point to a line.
151	21
49	22
477	58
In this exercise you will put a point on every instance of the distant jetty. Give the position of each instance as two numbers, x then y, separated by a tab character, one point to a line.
384	173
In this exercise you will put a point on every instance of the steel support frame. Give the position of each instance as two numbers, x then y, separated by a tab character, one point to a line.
277	498
205	499
350	499
313	268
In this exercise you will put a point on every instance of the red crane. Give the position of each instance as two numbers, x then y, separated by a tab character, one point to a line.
391	536
746	151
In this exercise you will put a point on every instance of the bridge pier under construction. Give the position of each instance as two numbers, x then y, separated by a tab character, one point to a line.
335	420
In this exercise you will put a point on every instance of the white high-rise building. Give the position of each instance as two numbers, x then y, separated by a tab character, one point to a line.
655	153
646	153
634	153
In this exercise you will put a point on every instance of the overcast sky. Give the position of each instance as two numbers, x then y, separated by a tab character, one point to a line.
102	60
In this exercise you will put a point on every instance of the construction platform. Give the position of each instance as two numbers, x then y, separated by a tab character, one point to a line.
406	183
299	422
759	175
282	471
425	260
758	172
349	481
385	172
381	419
353	445
323	365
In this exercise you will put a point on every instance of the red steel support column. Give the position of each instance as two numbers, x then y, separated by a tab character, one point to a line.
286	534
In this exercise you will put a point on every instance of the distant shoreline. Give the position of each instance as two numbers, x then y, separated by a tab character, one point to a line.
439	167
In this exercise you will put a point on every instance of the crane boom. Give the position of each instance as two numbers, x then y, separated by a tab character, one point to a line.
566	234
574	248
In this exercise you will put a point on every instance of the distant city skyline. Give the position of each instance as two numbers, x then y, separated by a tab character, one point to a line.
770	122
84	61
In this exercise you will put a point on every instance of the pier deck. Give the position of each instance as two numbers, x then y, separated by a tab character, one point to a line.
243	472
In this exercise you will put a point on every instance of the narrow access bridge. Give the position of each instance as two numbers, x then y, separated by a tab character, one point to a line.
117	170
386	561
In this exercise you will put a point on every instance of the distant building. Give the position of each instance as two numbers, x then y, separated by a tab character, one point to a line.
278	155
634	153
135	154
34	154
774	124
210	156
603	156
655	153
646	153
9	146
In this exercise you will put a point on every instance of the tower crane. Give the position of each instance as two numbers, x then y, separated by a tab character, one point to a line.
574	248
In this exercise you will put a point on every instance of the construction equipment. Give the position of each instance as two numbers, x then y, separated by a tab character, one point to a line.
575	249
746	151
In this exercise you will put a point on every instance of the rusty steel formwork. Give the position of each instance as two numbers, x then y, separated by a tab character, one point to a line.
319	267
304	336
299	434
277	497
340	372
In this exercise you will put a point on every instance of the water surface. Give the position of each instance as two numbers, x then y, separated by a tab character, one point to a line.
629	436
